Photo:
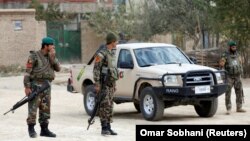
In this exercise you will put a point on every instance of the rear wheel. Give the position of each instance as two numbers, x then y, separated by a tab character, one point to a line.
152	107
207	108
89	99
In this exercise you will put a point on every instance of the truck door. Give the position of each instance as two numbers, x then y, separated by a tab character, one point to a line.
125	65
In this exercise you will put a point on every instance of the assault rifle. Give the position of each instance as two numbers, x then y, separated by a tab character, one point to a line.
45	86
100	96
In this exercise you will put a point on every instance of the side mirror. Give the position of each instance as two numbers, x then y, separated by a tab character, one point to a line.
193	59
126	65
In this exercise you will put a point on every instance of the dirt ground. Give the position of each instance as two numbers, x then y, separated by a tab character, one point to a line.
69	120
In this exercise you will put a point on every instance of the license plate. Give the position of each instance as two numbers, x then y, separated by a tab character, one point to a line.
202	89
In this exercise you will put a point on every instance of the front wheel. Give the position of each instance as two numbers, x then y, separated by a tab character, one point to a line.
89	99
207	108
152	107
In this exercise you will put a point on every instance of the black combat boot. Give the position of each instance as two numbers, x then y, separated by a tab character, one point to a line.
32	132
112	132
105	130
45	131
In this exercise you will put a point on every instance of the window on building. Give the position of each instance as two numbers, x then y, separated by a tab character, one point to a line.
18	25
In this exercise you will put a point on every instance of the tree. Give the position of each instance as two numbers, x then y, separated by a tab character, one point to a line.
233	22
185	17
52	13
109	20
39	9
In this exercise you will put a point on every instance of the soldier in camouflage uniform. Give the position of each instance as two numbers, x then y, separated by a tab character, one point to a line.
105	60
39	68
230	61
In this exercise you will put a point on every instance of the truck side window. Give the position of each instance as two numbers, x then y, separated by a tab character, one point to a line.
125	57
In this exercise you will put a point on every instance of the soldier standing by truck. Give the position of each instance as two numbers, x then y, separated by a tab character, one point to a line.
40	67
105	60
230	61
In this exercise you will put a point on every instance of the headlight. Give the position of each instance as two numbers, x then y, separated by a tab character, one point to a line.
172	80
219	78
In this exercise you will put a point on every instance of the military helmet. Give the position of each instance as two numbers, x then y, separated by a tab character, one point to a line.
111	37
48	41
231	43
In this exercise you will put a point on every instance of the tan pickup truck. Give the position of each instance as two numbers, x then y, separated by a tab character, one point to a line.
155	76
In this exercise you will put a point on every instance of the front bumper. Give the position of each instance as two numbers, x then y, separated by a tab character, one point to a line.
168	93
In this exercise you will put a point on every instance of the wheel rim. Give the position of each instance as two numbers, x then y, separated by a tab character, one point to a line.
90	101
148	104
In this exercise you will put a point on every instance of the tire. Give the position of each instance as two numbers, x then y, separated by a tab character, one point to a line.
207	108
89	99
152	107
137	106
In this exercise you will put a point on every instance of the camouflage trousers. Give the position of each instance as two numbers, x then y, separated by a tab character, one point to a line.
106	105
237	84
41	102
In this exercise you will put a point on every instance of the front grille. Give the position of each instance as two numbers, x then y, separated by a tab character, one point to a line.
198	78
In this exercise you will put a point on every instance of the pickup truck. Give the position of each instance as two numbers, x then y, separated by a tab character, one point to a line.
155	76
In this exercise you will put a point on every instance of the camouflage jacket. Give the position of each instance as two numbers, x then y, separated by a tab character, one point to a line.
40	67
232	63
105	59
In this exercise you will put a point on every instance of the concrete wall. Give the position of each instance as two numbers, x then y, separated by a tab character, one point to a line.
90	42
19	33
162	38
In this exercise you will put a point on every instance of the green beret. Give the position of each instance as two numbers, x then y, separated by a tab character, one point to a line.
232	43
48	41
111	37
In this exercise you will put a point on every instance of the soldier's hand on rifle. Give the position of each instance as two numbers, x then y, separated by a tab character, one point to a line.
27	91
97	88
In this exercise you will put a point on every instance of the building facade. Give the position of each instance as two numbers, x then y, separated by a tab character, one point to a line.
19	33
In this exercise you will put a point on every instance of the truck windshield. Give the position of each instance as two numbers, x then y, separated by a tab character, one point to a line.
159	56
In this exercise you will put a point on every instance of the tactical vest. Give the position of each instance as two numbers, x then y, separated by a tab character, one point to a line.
233	66
42	69
109	62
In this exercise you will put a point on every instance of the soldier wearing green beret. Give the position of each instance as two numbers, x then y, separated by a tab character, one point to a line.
230	61
105	60
40	67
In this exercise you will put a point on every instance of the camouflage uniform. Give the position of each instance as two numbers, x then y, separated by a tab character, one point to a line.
233	70
106	59
39	69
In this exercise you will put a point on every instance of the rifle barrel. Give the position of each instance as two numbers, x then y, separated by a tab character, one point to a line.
88	127
7	112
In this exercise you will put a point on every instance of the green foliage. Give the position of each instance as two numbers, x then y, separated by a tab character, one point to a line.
107	20
185	17
39	9
235	18
232	20
52	13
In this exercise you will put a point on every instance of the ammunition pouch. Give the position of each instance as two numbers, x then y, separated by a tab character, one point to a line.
114	74
43	76
234	70
233	66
